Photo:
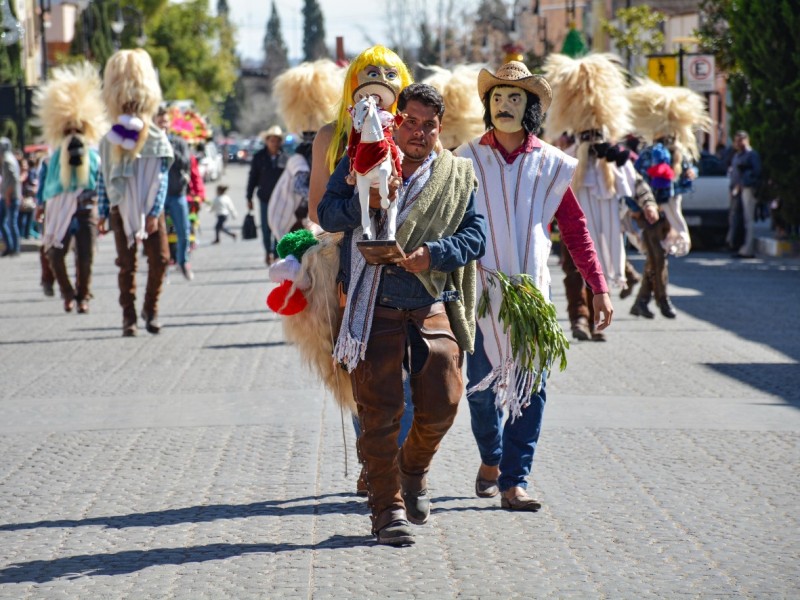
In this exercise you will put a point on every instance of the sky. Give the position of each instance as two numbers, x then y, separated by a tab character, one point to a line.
362	23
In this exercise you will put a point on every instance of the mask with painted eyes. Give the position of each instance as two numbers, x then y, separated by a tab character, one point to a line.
507	105
388	75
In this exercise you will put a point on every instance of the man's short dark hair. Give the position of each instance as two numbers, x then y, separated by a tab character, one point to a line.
742	134
531	120
424	94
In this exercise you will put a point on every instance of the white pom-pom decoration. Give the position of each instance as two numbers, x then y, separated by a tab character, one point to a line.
284	269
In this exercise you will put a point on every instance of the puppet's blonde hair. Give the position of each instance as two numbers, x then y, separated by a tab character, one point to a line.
71	98
379	56
307	94
463	116
130	85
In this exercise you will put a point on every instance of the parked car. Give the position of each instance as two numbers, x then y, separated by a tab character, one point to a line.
211	162
706	207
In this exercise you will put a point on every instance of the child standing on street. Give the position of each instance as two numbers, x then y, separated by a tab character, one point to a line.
222	206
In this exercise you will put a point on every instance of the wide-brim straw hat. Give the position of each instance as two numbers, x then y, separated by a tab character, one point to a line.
516	74
274	131
376	88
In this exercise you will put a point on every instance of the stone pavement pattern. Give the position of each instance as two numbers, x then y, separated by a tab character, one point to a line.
205	462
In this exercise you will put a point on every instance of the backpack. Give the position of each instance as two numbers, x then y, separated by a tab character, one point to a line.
179	171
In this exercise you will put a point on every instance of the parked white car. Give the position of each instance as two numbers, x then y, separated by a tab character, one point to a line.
210	163
706	207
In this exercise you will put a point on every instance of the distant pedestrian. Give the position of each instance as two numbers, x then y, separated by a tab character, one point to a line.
745	177
223	207
10	198
265	170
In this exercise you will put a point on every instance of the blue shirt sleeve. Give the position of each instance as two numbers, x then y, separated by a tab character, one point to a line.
466	244
339	209
161	196
102	197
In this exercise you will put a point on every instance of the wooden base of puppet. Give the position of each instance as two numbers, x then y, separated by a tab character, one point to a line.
381	252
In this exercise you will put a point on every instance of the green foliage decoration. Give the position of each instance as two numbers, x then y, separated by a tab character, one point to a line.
530	322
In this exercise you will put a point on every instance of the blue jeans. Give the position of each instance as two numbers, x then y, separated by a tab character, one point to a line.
511	446
178	210
266	232
405	421
9	216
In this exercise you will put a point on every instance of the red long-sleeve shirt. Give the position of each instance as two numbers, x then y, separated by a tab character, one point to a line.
569	215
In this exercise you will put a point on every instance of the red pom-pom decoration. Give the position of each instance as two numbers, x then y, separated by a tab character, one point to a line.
280	302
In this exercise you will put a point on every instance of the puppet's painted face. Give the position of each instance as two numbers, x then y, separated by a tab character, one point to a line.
508	107
386	74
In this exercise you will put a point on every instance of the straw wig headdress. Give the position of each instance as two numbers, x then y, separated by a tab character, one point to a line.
588	96
71	99
660	111
588	93
463	119
307	94
131	91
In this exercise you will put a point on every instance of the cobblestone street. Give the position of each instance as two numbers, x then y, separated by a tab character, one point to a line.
205	462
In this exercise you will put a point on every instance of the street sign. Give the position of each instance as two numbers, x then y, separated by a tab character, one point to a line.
698	72
663	69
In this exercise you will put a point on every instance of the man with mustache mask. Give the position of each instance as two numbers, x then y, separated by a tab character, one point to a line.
523	183
73	116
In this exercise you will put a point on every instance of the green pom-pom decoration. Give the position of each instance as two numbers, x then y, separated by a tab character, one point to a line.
296	243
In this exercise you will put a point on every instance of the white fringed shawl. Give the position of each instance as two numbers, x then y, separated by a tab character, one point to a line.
519	201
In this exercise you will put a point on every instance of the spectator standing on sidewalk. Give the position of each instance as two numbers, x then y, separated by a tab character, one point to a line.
265	170
10	197
745	177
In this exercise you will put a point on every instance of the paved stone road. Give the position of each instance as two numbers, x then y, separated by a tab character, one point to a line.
204	463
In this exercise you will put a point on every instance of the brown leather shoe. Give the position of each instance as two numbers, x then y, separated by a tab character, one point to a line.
523	503
486	488
69	305
129	330
83	307
580	329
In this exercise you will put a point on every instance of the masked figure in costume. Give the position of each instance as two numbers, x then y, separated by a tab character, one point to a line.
73	117
136	156
523	183
589	101
667	117
306	97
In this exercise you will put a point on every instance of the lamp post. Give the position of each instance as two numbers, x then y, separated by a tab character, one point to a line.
118	25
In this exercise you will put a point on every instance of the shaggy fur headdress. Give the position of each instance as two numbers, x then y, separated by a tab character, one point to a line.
307	94
660	111
131	92
588	93
71	99
463	119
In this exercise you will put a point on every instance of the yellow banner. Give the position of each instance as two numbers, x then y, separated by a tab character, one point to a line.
663	69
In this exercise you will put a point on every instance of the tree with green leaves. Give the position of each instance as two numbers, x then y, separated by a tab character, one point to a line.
276	58
765	89
313	31
637	31
193	61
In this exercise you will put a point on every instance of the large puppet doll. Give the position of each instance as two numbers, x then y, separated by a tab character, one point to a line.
589	102
136	156
70	109
667	117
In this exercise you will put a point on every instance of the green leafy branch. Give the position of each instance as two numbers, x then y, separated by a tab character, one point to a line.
530	322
